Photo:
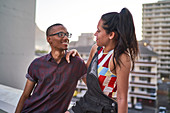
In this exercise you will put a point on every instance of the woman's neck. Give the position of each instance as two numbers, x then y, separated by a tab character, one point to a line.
109	47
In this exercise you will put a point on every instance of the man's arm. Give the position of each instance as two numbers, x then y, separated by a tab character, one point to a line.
26	93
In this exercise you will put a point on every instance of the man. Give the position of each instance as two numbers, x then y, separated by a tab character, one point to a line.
51	81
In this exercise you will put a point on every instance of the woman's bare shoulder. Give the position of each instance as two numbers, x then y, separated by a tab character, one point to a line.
94	49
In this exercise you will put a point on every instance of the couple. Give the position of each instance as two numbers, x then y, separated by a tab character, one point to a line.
109	64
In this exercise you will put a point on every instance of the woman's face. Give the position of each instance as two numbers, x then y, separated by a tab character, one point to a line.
102	38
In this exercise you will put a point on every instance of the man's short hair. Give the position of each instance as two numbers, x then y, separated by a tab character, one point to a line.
49	28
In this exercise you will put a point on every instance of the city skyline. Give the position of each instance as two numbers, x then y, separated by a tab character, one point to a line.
83	16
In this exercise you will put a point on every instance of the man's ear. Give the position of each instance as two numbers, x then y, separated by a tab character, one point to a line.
112	35
49	39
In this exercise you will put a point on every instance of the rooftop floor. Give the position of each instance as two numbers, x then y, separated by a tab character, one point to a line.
9	98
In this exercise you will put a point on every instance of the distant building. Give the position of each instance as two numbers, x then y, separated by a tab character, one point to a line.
86	39
143	79
83	45
40	40
156	29
84	51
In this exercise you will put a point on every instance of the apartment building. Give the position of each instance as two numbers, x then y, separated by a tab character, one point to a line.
156	29
143	79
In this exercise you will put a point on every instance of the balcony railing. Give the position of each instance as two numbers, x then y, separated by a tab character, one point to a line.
143	73
142	96
143	84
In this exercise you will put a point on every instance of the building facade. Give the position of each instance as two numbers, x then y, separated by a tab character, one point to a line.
156	29
17	40
143	79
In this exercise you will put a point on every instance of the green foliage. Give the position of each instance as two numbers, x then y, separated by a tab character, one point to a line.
41	51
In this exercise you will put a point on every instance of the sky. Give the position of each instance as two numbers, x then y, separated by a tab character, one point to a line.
82	16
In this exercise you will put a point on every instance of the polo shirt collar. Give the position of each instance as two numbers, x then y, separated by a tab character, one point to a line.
49	57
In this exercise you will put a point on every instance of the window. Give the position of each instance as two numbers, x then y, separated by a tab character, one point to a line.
146	58
141	89
132	89
143	78
148	80
133	78
147	69
151	90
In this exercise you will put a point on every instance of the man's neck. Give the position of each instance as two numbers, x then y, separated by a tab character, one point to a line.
58	55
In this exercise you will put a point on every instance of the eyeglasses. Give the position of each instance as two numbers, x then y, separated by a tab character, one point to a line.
62	34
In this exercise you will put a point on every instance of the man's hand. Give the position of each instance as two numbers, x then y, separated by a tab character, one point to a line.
72	53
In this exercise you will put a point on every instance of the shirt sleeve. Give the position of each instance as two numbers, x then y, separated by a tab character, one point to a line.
31	73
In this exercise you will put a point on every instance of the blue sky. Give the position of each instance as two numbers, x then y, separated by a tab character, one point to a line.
82	16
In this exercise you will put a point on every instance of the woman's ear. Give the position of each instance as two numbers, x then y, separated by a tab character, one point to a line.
112	35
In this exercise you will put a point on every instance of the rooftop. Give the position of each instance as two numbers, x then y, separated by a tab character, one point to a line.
9	98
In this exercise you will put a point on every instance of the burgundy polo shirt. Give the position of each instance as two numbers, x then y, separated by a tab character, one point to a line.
55	84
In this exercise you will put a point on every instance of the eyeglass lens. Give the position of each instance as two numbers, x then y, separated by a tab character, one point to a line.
61	34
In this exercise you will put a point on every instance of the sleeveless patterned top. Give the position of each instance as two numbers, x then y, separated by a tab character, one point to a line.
107	79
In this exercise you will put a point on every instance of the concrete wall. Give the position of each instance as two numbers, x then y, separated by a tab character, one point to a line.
17	38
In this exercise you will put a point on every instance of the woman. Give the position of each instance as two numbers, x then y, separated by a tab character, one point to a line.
109	65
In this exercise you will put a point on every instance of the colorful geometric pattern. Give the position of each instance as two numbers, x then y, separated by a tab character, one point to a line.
107	79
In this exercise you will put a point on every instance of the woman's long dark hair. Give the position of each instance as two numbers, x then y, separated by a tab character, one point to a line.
123	26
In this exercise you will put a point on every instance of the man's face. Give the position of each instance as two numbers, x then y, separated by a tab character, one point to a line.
56	41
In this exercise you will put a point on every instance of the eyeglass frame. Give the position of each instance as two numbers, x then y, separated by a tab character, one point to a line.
65	34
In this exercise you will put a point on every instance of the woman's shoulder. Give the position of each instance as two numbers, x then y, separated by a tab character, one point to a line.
125	58
94	47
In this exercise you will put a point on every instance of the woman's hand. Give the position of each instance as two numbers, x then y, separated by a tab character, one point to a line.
67	112
72	53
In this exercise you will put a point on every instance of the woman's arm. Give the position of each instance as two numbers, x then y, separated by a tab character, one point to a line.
72	53
92	52
122	73
26	93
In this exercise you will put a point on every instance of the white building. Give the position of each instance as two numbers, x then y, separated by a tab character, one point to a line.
143	79
17	40
156	29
